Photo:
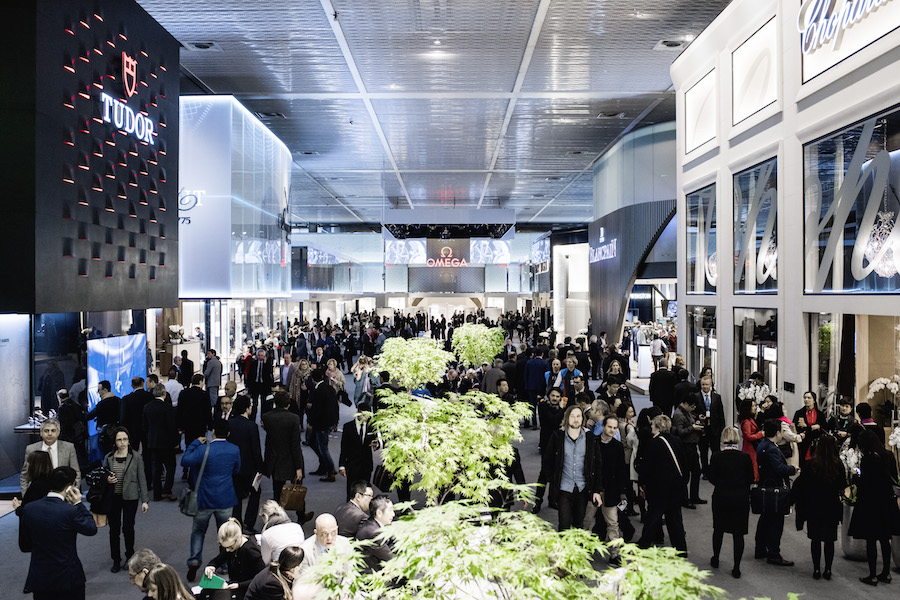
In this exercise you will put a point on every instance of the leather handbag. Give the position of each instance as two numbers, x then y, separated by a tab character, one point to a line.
770	500
187	503
293	497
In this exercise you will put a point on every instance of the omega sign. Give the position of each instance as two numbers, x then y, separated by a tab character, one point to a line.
117	112
446	259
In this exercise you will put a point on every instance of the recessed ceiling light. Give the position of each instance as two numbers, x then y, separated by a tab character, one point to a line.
203	47
437	42
437	55
670	45
394	86
689	37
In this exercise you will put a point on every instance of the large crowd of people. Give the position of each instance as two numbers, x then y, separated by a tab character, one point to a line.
603	463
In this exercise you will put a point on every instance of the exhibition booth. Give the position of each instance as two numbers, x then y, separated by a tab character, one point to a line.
787	141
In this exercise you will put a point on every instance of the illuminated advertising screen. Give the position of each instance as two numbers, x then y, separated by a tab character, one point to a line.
489	252
404	252
540	255
117	360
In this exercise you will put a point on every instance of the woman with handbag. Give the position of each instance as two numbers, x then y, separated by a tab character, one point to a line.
876	509
731	472
817	496
129	484
790	439
241	555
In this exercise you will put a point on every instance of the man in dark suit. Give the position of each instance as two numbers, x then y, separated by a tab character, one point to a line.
245	435
193	412
131	411
352	514
661	479
355	461
535	384
284	455
49	528
106	411
711	410
160	435
381	510
259	382
774	472
186	369
323	417
662	389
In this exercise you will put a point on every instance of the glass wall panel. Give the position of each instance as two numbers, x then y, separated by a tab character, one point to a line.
702	271
832	358
851	182
755	233
756	345
702	340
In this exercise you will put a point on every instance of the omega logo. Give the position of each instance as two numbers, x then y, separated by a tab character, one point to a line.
446	259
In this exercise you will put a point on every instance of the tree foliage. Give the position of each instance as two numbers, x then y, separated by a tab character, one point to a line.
413	362
452	552
458	445
476	344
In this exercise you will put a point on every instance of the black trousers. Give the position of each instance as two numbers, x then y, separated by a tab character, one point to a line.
249	519
121	521
162	459
572	507
258	395
768	535
693	469
657	509
704	446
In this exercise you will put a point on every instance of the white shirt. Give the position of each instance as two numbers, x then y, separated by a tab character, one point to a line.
53	451
174	388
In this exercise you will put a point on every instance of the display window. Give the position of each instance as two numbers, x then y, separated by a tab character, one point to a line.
700	221
755	230
850	202
702	340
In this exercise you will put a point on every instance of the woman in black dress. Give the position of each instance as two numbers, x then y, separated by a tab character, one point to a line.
731	472
876	506
817	496
240	553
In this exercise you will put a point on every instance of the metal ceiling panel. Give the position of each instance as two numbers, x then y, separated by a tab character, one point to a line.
481	43
608	45
277	46
441	134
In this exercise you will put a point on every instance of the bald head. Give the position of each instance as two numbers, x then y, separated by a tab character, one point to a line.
326	530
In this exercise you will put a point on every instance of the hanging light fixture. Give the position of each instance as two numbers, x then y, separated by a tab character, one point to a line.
881	231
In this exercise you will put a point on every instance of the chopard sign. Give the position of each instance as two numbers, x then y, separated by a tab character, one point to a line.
446	259
819	26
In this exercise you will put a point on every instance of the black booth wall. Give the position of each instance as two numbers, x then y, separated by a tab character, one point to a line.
90	211
635	229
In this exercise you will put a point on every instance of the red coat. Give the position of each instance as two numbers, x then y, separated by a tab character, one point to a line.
751	433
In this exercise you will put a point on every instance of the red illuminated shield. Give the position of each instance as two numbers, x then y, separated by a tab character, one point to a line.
129	75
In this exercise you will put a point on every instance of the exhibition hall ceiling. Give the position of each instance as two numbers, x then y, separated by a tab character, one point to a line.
441	103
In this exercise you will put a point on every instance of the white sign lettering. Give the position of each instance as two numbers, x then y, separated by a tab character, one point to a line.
124	118
819	27
603	252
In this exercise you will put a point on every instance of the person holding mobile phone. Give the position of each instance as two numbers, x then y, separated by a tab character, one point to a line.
49	528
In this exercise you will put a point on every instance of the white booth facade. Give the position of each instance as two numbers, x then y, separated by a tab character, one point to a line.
789	250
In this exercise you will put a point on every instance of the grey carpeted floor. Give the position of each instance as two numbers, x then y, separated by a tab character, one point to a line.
167	532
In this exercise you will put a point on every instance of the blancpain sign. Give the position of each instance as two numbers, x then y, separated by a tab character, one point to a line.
605	250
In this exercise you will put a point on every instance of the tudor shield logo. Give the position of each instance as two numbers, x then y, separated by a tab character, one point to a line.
129	75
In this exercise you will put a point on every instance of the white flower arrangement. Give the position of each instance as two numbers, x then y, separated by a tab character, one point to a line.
894	440
754	392
891	384
174	332
851	457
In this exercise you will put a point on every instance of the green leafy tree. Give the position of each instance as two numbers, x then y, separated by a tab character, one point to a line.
476	344
449	552
413	362
459	445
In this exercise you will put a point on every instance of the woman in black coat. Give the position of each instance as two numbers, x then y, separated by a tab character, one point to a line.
817	496
876	506
731	472
240	553
812	422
